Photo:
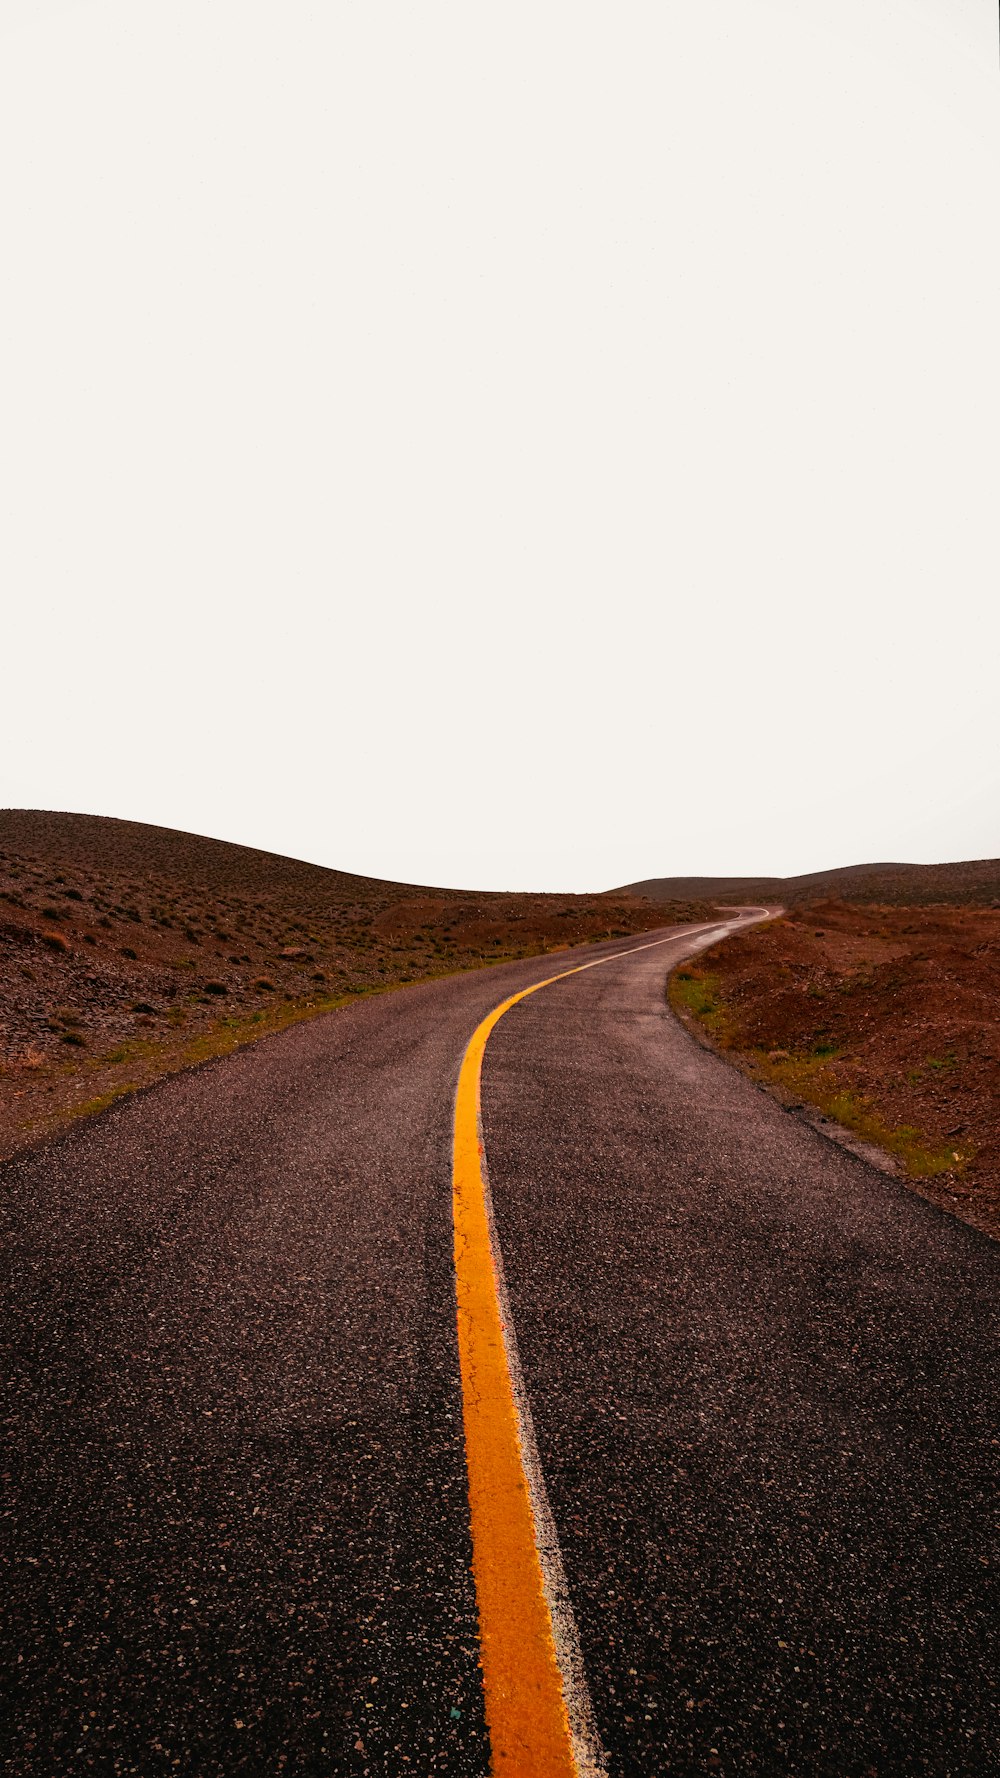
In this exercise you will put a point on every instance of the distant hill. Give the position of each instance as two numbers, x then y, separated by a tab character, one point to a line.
976	882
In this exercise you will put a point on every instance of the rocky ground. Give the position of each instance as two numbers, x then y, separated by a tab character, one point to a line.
128	951
885	1018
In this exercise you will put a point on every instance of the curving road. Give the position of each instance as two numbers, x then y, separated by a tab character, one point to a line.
762	1378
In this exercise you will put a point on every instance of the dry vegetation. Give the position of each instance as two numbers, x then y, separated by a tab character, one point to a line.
886	1018
128	951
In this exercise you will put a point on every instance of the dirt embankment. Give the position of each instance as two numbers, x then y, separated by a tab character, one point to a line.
886	1018
128	951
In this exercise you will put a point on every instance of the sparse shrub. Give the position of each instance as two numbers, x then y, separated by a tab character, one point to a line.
265	986
127	951
89	939
143	1006
216	988
104	921
75	1037
50	913
73	895
55	941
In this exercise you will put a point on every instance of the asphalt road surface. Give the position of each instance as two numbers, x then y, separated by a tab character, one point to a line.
236	1532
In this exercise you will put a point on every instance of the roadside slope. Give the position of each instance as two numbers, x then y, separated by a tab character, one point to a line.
128	951
885	1019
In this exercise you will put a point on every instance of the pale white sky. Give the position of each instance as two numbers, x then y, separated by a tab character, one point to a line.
538	445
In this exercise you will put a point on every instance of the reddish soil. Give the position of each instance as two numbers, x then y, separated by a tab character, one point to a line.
127	951
887	1017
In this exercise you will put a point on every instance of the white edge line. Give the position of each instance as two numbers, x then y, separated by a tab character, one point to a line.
588	1753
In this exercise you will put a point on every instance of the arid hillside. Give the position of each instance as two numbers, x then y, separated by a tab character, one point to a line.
886	1019
128	950
974	883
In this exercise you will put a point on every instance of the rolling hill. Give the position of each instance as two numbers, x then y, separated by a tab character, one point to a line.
974	883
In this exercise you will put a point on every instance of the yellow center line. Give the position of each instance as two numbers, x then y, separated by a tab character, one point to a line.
528	1701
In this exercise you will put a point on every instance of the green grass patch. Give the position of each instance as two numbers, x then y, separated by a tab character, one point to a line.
696	992
91	1107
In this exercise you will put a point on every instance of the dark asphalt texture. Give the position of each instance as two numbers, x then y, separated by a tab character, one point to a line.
764	1384
235	1529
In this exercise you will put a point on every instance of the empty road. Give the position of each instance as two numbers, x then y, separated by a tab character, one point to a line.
759	1377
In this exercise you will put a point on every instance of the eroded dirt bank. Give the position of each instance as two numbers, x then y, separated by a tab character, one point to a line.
886	1018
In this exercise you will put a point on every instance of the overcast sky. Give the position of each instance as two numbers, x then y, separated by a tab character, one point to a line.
539	445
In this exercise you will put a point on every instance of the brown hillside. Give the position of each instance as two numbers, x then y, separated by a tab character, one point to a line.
887	1019
128	950
975	883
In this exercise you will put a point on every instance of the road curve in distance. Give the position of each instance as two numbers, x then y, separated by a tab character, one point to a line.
234	1489
761	1380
